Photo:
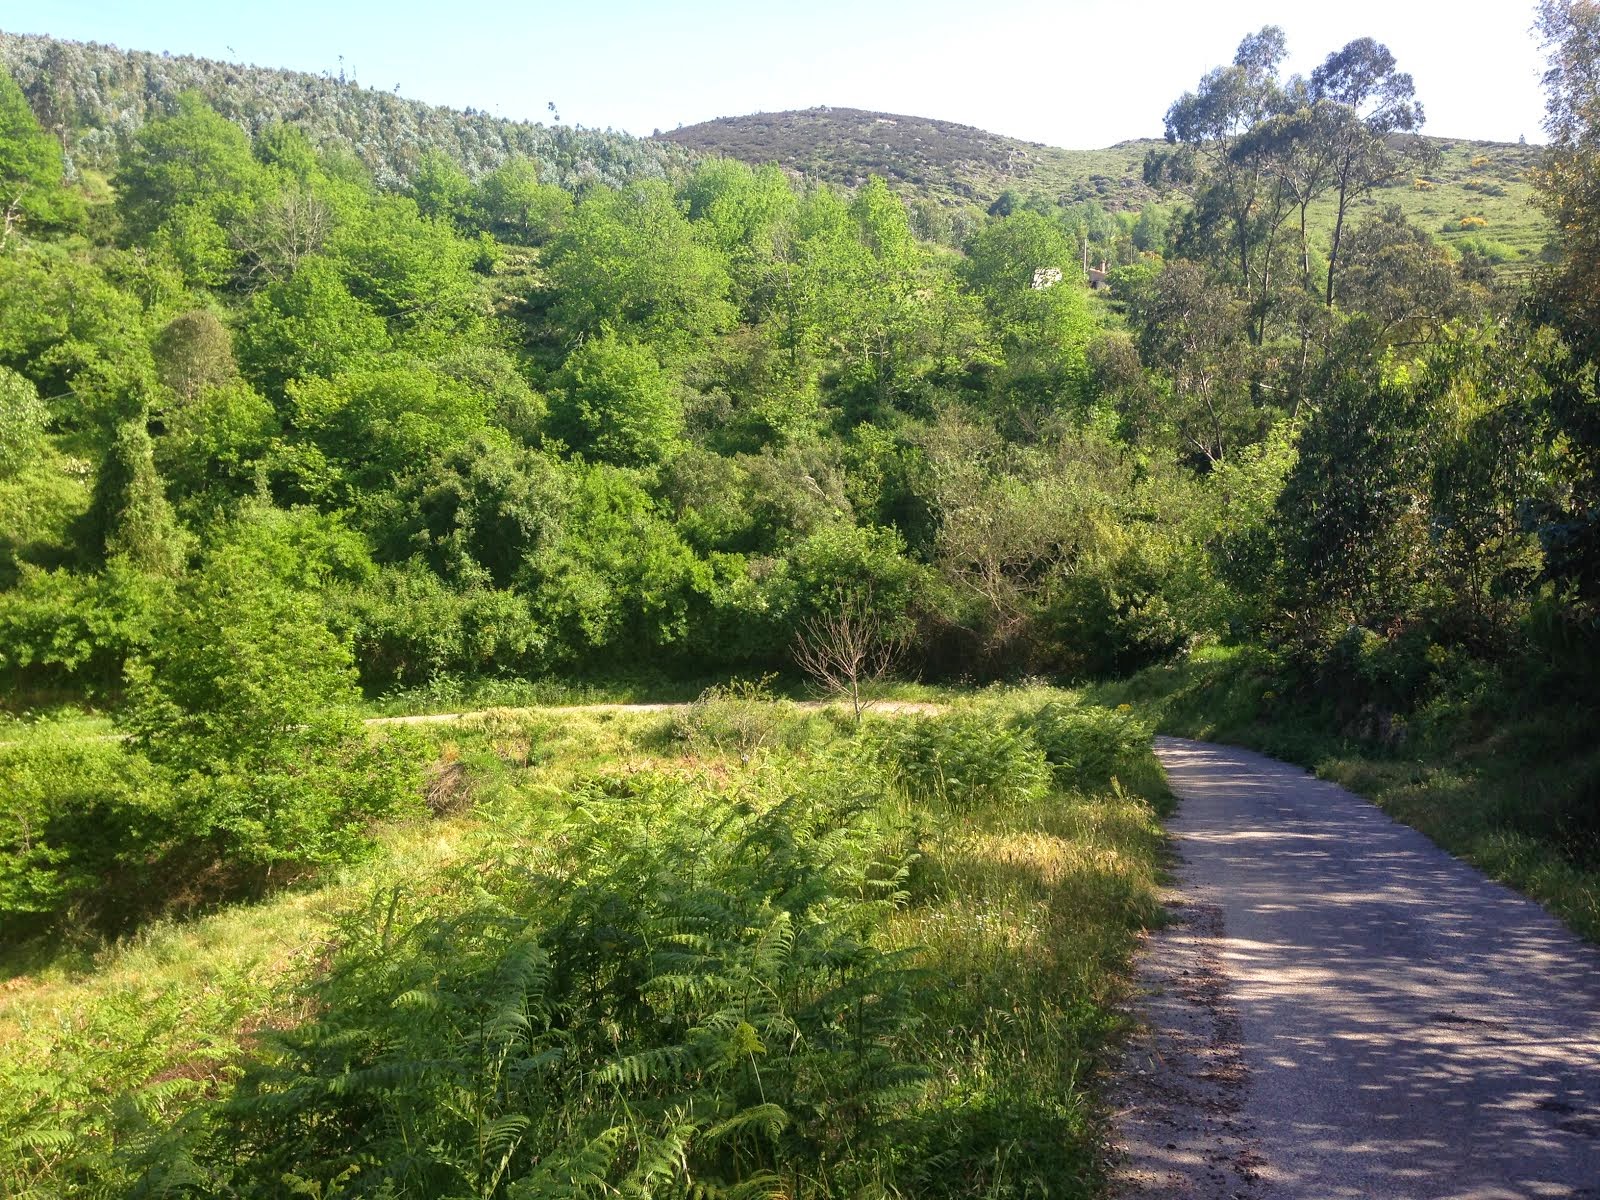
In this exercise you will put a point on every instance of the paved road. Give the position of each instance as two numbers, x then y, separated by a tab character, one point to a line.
1342	1010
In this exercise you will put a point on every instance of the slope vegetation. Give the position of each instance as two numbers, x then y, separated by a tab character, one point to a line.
98	97
922	156
1475	191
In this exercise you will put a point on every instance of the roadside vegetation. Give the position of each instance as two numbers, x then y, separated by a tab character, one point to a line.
743	948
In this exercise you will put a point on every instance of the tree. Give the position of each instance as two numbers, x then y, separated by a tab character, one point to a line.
629	260
292	223
440	187
1569	177
1194	333
1213	124
848	647
414	272
194	352
1350	522
1375	104
1569	185
31	166
374	421
517	205
618	403
193	157
214	447
247	701
1043	320
308	325
130	510
1400	285
189	176
23	417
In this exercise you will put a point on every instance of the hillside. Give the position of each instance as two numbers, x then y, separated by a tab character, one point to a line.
96	97
941	160
921	156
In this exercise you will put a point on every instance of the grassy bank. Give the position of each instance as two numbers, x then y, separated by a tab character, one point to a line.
1504	776
921	928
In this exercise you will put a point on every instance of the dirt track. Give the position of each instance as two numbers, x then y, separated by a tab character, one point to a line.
1342	1010
881	706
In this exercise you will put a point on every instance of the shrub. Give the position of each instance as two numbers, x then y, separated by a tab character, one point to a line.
1487	248
680	997
246	700
1087	745
63	629
742	715
409	627
962	760
76	817
1120	614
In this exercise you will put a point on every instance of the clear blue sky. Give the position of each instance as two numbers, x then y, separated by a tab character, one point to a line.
1076	73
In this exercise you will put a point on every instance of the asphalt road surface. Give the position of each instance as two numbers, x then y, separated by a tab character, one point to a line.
1342	1010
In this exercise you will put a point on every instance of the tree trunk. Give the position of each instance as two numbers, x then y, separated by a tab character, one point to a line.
1338	236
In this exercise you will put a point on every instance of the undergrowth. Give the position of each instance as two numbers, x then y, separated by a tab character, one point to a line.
815	963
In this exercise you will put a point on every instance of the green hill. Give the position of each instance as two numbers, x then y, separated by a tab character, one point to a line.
96	97
1472	182
922	157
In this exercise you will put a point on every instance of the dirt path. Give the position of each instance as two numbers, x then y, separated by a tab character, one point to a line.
891	707
1342	1010
881	706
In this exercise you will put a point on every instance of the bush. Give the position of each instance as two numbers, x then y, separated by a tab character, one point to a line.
1119	615
61	629
247	701
1086	745
742	716
410	627
1487	248
962	760
680	997
77	815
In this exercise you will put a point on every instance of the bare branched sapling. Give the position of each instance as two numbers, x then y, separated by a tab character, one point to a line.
847	648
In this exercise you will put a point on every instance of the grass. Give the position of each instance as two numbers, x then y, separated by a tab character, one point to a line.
1503	783
1022	912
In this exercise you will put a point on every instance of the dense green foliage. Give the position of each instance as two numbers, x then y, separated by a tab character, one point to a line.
99	96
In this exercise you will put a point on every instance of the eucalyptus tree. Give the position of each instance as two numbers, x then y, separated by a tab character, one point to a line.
1215	130
1370	104
31	166
1569	184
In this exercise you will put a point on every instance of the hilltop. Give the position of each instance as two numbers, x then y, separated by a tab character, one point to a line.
1476	190
923	157
96	97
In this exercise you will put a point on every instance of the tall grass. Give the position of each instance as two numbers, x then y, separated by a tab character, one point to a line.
779	968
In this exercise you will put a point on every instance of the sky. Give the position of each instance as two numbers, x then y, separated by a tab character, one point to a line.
1074	73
